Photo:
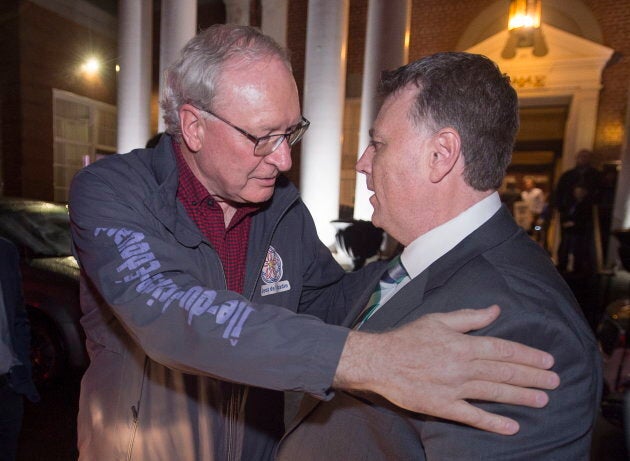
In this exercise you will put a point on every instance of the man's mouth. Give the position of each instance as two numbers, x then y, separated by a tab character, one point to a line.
267	181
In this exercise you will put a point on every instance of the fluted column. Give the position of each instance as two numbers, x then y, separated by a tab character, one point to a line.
274	19
178	24
386	47
237	11
134	77
324	93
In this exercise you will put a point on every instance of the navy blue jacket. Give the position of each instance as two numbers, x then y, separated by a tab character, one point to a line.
161	326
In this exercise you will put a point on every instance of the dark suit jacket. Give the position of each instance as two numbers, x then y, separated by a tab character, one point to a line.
498	263
20	376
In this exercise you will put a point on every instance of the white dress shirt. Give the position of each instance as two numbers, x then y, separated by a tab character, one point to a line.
429	247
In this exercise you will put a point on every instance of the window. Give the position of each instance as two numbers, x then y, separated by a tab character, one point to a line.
84	131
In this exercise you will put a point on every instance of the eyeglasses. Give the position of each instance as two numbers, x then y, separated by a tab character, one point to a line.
266	145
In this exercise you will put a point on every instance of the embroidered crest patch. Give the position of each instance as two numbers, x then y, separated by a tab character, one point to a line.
271	274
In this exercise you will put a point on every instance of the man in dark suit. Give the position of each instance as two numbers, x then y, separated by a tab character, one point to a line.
15	368
588	178
438	152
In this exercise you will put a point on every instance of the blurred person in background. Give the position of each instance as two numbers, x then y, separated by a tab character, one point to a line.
576	250
15	342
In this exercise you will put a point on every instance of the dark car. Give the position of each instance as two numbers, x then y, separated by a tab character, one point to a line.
50	277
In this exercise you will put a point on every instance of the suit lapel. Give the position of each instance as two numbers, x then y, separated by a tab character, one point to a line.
363	299
406	300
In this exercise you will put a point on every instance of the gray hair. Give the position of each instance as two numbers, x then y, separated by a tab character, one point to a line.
194	77
468	93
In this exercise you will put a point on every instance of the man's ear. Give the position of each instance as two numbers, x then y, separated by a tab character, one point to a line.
191	123
447	150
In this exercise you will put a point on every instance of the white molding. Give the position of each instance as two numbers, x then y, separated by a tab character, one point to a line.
572	61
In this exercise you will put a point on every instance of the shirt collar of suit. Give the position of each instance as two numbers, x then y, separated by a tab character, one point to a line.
429	247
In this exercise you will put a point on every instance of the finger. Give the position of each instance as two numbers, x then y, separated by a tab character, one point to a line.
470	415
504	393
513	374
503	350
465	320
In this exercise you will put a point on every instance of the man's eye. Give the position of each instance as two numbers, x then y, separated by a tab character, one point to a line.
375	144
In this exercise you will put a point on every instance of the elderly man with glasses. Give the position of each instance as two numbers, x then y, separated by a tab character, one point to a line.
206	291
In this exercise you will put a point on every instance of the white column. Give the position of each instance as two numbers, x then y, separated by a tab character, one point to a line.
237	11
621	207
134	77
178	24
386	47
581	124
621	213
274	20
324	93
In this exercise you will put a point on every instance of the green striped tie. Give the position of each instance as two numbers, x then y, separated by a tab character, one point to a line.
394	274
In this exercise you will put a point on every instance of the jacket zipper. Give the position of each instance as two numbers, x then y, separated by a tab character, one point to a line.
237	402
135	411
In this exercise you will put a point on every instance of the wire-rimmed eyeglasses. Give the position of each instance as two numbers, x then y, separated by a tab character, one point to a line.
266	145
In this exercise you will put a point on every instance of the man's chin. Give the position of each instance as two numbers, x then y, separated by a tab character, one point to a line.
375	219
260	196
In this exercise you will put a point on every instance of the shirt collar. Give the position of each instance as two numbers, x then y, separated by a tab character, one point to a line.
429	247
191	191
190	188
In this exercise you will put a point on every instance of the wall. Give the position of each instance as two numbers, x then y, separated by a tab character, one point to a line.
10	113
48	51
614	19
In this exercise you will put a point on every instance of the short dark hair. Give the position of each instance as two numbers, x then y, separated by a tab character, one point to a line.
469	93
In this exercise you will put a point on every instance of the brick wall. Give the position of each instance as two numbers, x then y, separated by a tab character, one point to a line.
614	18
47	53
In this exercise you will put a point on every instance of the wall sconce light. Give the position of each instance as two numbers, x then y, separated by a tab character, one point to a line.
524	29
90	67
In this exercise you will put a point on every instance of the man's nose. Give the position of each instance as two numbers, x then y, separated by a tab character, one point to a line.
281	157
364	164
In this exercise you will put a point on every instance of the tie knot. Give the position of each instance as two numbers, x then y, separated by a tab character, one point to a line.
395	271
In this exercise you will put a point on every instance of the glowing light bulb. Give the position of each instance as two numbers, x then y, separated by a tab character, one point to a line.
91	66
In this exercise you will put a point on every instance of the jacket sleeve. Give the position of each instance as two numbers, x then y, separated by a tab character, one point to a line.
181	321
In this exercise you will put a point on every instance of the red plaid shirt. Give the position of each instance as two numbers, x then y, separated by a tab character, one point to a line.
230	243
